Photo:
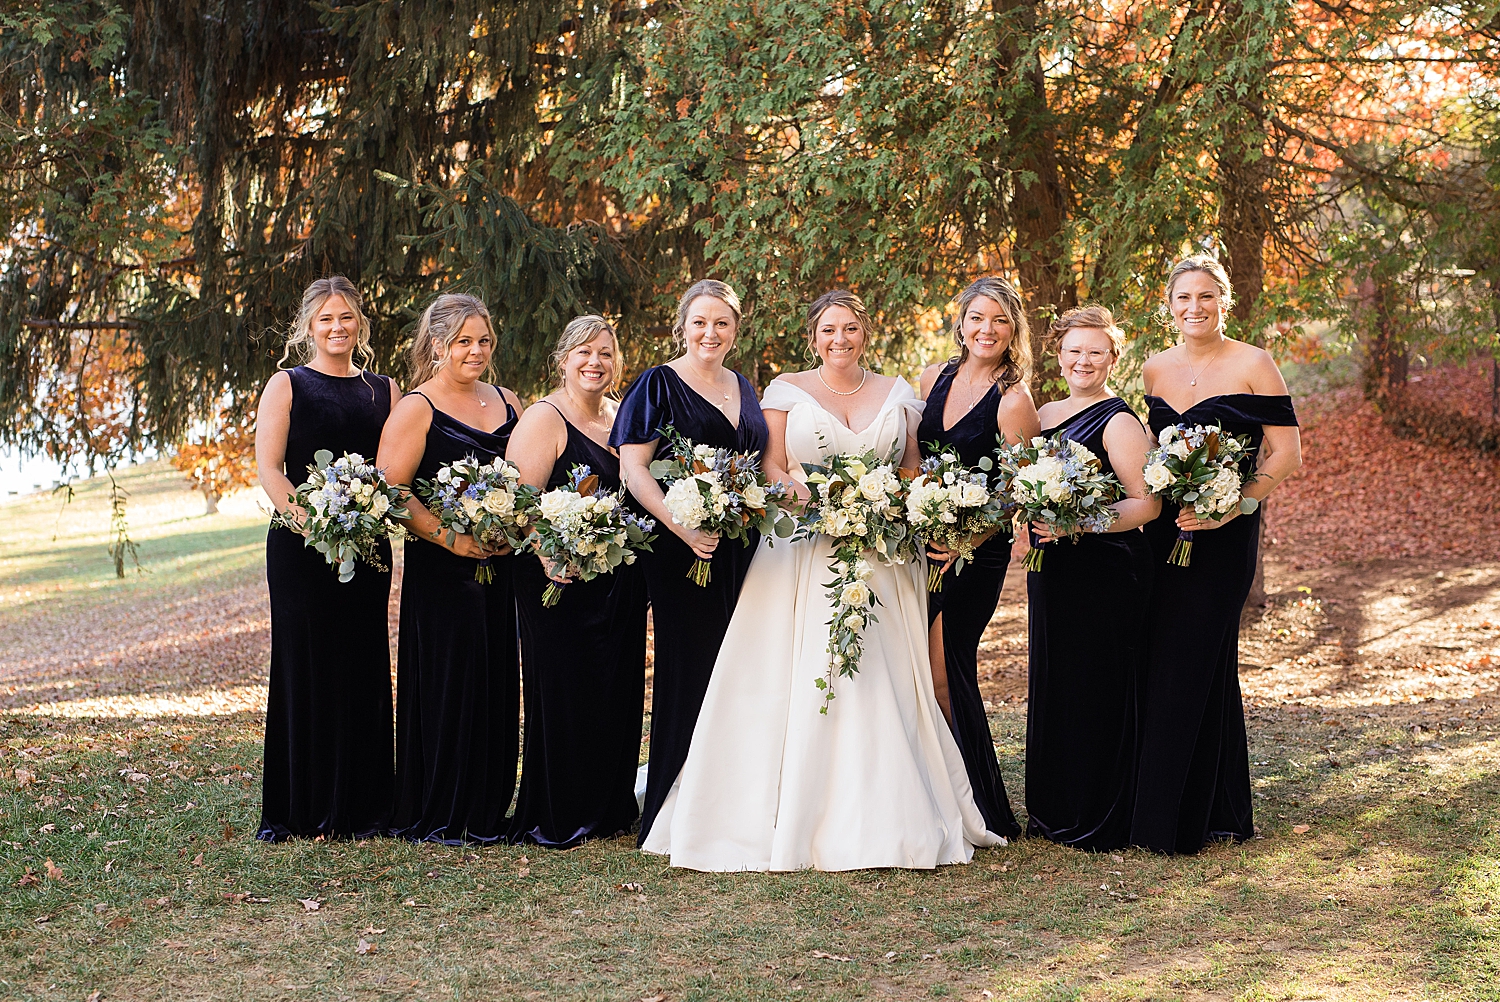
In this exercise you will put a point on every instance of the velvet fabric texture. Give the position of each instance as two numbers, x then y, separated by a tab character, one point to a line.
327	766
689	622
457	674
1194	780
1088	646
967	601
584	665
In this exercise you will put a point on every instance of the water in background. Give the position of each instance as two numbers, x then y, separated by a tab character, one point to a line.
27	475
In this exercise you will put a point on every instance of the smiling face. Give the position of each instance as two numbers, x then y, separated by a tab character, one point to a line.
839	338
987	329
709	330
335	328
1197	304
469	352
1086	357
590	367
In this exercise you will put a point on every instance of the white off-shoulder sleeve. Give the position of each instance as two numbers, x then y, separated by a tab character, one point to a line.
903	396
781	395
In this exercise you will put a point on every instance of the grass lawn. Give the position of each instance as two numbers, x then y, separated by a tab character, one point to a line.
129	786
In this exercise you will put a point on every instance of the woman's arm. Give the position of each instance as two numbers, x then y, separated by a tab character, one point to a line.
1126	442
774	459
402	443
273	421
395	396
541	436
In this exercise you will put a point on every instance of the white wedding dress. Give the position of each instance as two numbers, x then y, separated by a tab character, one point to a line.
772	784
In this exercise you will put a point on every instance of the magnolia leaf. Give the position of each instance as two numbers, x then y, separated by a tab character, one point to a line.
589	485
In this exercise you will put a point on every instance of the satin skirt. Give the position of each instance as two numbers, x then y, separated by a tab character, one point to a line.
770	783
584	667
327	768
457	698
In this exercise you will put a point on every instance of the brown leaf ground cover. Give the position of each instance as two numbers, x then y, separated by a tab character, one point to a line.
129	779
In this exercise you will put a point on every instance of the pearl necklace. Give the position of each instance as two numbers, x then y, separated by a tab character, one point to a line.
864	374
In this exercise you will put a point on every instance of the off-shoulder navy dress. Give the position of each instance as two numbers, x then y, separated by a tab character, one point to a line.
457	676
1088	648
327	768
583	662
688	621
967	602
1193	785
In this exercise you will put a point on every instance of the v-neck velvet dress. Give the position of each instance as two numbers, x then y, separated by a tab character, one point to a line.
327	768
688	621
1087	652
1193	785
583	662
968	600
457	672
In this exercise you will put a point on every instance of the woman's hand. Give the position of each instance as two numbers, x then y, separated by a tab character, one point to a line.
701	543
1044	533
942	556
1188	520
463	545
554	571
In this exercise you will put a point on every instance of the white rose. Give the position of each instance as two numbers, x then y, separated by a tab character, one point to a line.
855	622
356	459
380	505
973	495
444	475
1158	477
556	504
856	593
1178	448
499	503
607	503
754	495
863	570
872	486
470	507
704	452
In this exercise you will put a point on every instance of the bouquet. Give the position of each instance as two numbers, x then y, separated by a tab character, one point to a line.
951	505
1059	482
718	491
350	508
583	531
858	502
1199	465
485	500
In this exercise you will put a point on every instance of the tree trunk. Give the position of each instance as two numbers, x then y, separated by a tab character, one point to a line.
211	502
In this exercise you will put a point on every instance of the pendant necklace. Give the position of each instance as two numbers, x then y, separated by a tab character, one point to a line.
726	396
863	375
1197	375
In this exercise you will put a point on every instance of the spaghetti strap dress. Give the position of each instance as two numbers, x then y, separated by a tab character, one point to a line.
584	668
1193	785
1088	647
688	622
967	602
327	767
457	672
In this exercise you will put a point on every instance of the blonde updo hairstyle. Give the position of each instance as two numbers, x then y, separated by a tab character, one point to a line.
581	331
1214	270
1015	363
300	347
444	317
707	287
821	305
1089	317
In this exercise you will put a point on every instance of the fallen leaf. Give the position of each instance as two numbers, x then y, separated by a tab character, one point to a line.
364	946
94	996
119	922
1301	829
54	872
43	919
28	878
654	998
235	898
47	829
198	859
370	930
25	777
822	955
635	888
228	832
310	904
174	944
524	872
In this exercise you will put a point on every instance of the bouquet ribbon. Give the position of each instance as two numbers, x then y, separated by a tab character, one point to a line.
1182	550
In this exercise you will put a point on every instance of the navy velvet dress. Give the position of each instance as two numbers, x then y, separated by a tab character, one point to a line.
584	666
689	622
967	602
327	768
1088	647
457	676
1193	785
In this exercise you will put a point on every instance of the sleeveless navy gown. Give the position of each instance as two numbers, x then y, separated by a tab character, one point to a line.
689	622
327	767
967	602
457	673
1088	647
1193	785
584	665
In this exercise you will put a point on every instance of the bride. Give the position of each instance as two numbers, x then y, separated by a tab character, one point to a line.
770	783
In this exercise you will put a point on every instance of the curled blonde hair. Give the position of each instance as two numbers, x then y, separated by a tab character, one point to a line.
1088	317
707	287
1015	363
580	331
836	297
300	347
1214	270
444	317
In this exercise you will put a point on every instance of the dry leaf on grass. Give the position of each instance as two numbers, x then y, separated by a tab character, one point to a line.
1301	829
28	878
54	872
822	955
198	859
174	944
25	777
119	922
310	904
364	946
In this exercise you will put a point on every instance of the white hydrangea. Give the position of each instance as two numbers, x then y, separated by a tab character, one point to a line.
685	503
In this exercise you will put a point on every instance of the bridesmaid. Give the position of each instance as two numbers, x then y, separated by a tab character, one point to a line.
1088	611
1193	783
584	659
974	400
327	767
712	405
457	678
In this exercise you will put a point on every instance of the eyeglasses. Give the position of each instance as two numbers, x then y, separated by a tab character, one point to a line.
1074	354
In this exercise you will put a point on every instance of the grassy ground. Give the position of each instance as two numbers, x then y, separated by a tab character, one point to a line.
129	783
